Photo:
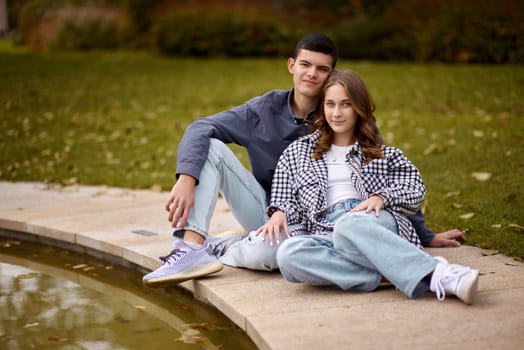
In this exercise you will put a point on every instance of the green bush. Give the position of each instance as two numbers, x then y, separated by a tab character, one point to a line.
460	31
221	35
370	38
91	33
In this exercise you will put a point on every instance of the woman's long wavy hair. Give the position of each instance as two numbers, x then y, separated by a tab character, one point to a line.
366	130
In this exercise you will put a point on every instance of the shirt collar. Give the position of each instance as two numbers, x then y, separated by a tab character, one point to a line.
309	117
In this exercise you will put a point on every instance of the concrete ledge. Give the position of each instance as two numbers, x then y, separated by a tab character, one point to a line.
132	225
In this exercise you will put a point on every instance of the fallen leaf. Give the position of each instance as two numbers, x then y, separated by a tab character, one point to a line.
490	252
185	308
481	176
56	338
189	336
516	227
25	276
434	148
467	216
496	226
140	307
512	263
452	194
204	325
79	266
456	205
156	188
29	325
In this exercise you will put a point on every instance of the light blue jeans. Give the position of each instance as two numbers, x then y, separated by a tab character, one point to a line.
224	173
363	249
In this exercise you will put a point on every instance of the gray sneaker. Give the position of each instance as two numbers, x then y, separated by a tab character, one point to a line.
217	245
182	264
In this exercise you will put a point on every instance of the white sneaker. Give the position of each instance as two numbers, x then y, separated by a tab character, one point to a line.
218	244
441	259
457	280
182	264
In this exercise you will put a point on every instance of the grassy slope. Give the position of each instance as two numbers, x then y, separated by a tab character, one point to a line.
116	119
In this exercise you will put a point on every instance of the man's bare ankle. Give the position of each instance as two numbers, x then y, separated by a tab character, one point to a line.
193	237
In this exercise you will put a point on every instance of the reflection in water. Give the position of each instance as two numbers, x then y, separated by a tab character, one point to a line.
74	306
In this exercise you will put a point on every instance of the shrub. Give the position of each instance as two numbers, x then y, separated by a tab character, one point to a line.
221	35
46	23
90	33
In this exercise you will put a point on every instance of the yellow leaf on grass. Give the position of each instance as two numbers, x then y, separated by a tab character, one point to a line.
478	133
481	176
452	194
516	227
467	216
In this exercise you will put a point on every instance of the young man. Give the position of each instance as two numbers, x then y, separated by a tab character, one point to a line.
265	126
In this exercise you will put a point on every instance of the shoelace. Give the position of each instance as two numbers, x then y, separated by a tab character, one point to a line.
451	276
217	249
172	257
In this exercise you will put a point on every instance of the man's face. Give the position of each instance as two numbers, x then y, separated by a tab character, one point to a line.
310	71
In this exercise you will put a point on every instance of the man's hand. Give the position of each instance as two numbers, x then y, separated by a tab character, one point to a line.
272	227
373	203
447	239
180	201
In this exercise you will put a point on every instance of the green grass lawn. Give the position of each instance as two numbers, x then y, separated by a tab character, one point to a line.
116	119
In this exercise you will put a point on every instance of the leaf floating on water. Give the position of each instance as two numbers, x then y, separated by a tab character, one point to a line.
29	325
480	176
467	216
204	325
79	266
191	336
490	252
56	338
25	276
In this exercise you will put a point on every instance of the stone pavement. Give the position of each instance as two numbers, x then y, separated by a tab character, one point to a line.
132	224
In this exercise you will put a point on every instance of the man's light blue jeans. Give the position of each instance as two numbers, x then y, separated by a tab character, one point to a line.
363	249
224	173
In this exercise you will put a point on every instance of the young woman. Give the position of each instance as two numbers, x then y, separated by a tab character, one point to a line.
345	198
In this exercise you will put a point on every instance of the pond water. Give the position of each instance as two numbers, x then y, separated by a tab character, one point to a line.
52	298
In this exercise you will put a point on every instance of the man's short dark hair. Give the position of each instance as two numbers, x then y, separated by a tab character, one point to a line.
318	43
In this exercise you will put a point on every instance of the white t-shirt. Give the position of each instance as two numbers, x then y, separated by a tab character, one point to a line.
339	176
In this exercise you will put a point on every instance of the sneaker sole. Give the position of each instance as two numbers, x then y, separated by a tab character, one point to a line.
189	274
468	288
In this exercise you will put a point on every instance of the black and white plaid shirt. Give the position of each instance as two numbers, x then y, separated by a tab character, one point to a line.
299	186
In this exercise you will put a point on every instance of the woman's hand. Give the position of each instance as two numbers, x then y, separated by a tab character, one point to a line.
374	203
272	227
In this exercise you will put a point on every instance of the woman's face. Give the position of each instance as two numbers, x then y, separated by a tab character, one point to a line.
340	115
